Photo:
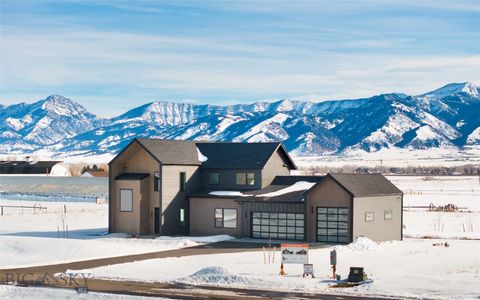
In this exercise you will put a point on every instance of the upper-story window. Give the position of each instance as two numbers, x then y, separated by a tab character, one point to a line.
156	181
245	178
183	181
214	178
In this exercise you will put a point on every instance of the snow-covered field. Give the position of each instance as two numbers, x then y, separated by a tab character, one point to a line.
395	157
411	268
32	238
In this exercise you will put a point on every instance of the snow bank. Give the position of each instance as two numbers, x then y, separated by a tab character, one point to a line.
361	244
216	275
227	193
183	242
297	186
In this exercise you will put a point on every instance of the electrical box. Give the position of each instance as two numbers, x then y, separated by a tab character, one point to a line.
356	275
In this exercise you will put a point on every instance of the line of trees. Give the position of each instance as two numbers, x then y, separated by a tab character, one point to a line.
470	169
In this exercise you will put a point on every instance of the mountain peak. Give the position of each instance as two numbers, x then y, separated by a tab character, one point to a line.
62	106
455	88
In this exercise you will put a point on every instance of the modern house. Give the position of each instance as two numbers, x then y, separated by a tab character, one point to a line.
172	187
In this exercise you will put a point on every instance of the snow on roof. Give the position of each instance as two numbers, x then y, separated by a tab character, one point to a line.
297	186
228	193
201	157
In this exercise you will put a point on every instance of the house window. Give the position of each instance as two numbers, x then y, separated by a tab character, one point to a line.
387	215
251	178
156	181
214	178
241	178
183	178
182	216
245	178
126	200
369	216
226	218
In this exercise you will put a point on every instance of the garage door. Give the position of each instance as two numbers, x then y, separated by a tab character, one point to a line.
283	226
332	224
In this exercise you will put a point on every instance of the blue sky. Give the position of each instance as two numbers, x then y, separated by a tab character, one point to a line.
111	56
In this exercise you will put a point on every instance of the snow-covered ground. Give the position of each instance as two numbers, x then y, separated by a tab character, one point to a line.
411	268
37	293
30	237
395	157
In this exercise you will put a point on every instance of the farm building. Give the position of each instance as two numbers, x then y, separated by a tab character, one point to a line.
34	168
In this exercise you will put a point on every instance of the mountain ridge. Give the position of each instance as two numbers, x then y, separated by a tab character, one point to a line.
444	117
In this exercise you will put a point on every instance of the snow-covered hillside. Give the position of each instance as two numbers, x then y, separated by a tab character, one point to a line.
445	117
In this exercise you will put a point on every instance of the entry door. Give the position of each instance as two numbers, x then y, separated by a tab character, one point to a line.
332	224
157	220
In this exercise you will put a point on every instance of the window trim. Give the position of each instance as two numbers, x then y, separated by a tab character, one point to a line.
368	219
385	214
223	217
210	178
120	200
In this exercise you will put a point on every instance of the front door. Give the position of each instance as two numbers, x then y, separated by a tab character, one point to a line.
157	220
332	224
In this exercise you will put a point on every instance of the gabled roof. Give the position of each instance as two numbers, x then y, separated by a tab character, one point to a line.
171	152
364	185
240	155
220	155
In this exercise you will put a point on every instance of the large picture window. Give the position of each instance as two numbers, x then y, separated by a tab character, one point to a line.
226	218
126	200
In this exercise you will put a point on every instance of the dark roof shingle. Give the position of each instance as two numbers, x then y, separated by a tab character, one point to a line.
172	152
363	185
238	155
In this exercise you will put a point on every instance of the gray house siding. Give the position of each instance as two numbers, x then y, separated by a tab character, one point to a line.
202	216
379	229
173	199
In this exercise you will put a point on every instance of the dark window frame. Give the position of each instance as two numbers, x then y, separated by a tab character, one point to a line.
210	178
222	218
183	181
278	225
156	181
182	214
329	220
245	178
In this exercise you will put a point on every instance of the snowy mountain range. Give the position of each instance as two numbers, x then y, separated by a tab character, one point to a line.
446	117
